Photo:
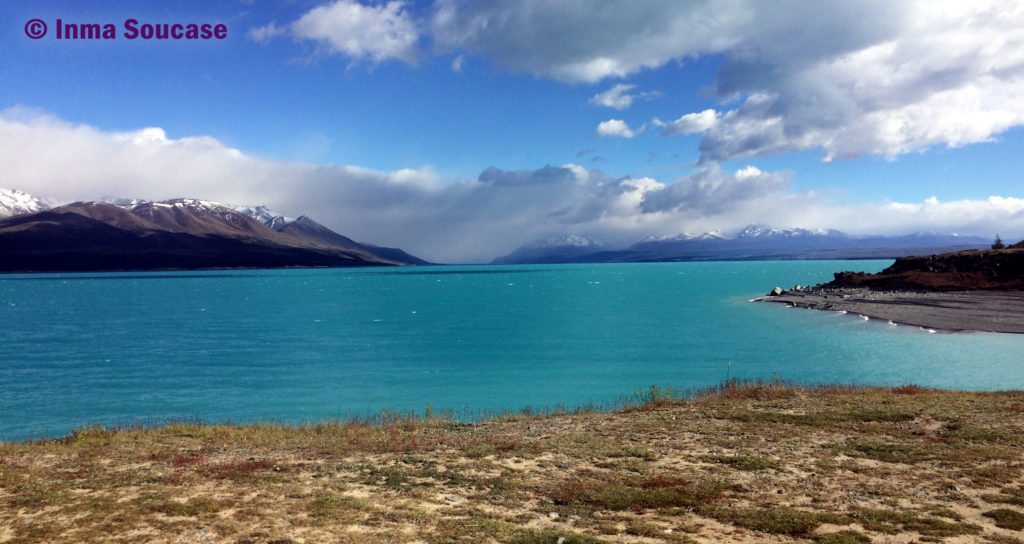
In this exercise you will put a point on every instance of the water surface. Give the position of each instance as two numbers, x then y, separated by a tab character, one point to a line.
296	345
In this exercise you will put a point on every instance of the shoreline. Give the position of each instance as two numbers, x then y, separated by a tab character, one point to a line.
949	311
638	400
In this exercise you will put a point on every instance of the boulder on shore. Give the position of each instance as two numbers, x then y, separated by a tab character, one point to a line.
776	292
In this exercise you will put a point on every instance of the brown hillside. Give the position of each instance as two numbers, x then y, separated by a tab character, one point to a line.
1001	269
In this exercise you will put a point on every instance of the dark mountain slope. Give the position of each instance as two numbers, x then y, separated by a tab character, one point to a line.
170	235
309	232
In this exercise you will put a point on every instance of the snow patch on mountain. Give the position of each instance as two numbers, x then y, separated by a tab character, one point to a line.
764	231
265	215
14	202
684	237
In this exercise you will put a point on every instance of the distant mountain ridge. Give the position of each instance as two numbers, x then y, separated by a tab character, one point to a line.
755	242
764	231
682	237
554	249
180	233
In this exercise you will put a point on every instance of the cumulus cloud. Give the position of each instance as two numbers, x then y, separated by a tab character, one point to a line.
948	75
869	77
713	191
619	96
617	128
690	123
357	31
578	40
452	220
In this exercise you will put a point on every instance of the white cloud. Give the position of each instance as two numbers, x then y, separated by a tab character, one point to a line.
453	220
266	32
577	40
616	128
867	77
690	123
618	97
748	172
949	74
713	191
362	32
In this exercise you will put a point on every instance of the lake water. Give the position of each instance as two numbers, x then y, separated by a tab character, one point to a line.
298	345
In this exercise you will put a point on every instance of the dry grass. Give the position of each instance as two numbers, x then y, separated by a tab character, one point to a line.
737	462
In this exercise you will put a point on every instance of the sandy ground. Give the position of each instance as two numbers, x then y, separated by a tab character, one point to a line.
991	311
745	463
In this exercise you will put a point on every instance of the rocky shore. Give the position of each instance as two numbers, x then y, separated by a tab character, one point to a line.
961	291
990	311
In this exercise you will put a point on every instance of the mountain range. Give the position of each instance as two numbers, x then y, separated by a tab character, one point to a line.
755	242
172	234
539	251
194	234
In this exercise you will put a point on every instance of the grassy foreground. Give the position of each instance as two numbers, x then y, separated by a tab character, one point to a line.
744	462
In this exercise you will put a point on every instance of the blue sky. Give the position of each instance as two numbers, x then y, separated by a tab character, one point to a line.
523	99
283	99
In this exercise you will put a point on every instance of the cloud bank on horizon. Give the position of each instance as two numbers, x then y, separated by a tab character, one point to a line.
463	220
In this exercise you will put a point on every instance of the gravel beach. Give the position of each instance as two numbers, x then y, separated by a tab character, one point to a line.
991	311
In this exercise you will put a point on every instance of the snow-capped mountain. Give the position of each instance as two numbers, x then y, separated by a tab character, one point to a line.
754	242
553	249
288	229
684	237
748	233
265	215
763	231
180	233
14	202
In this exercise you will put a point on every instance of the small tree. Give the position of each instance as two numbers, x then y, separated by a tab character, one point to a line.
998	244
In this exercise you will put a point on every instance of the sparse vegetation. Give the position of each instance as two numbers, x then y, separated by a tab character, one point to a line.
780	520
1007	519
844	537
747	462
833	465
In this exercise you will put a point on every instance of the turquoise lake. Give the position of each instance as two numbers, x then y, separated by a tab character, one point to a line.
306	345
